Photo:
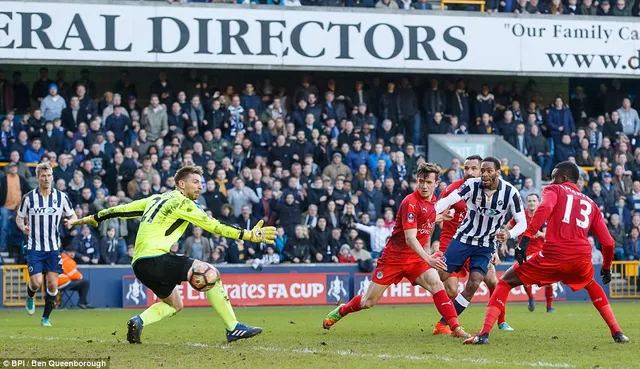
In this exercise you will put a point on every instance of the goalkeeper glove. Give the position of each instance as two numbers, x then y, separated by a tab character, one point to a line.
521	250
606	276
90	220
260	234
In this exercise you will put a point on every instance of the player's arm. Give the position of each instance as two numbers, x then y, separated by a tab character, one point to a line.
517	210
540	216
67	209
410	237
134	209
21	216
194	215
599	229
451	199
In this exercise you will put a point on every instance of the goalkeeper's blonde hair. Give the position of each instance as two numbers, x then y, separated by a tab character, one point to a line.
43	166
185	171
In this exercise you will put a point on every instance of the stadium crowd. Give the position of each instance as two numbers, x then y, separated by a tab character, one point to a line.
328	164
618	8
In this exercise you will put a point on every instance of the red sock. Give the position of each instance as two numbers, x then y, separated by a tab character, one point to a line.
600	302
496	306
446	309
548	293
529	292
501	317
351	306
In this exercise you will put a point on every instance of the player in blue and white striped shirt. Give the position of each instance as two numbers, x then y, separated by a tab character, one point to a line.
39	218
489	200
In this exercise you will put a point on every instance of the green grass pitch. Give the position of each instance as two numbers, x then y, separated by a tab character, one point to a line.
383	337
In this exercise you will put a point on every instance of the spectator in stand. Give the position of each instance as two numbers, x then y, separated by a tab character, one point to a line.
321	247
623	212
196	246
560	122
632	246
109	248
12	188
485	103
128	258
605	8
154	119
86	247
587	8
609	191
345	255
72	279
617	232
529	189
633	199
596	255
297	249
378	234
51	140
42	86
118	123
521	140
52	105
516	178
35	152
359	252
621	9
20	94
629	117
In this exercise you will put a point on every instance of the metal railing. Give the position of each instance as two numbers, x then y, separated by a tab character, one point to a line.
14	281
625	278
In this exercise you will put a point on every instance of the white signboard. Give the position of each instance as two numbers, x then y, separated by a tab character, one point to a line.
296	37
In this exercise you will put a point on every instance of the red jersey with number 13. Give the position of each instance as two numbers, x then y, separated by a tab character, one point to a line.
570	216
415	212
450	227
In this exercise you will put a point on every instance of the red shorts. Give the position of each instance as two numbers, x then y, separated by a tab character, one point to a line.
463	273
537	270
388	274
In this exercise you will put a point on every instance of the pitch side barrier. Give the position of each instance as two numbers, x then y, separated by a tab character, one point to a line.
281	285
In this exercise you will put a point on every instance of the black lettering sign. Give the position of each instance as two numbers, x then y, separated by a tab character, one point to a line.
226	36
157	35
203	36
6	31
413	43
398	42
455	42
296	41
110	34
82	34
28	30
344	38
266	36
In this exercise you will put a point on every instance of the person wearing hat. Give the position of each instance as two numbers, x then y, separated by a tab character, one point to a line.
337	168
52	105
345	255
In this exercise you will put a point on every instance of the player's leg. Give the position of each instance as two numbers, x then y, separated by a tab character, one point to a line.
491	280
479	261
548	294
531	305
35	267
430	281
51	291
451	286
170	305
360	302
601	303
52	268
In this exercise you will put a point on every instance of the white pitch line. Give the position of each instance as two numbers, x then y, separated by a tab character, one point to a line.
478	361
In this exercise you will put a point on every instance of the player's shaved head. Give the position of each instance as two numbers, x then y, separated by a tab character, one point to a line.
565	171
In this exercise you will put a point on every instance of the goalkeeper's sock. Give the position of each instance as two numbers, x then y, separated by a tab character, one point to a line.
220	302
446	309
157	312
600	302
496	306
548	293
352	306
501	318
459	303
30	292
49	302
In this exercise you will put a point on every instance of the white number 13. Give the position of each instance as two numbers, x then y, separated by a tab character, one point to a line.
584	212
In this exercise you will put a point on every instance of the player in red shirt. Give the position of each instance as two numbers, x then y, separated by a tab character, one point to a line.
535	246
404	256
449	229
566	253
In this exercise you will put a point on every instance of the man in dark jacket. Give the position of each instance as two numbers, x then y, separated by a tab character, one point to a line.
321	248
73	115
289	213
408	106
371	200
12	188
297	249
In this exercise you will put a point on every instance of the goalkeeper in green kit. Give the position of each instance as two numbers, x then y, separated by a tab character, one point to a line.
164	219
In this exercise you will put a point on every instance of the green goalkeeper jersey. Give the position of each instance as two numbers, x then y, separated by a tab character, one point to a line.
164	219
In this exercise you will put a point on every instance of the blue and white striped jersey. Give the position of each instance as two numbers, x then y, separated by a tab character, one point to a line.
486	212
43	215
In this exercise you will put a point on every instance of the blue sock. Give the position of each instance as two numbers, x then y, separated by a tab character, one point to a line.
460	303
